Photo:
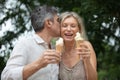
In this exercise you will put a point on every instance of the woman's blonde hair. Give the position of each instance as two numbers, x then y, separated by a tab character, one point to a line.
79	19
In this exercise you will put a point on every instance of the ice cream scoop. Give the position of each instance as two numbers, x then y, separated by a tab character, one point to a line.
78	39
59	45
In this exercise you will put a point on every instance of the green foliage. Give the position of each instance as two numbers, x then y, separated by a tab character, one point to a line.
101	18
2	64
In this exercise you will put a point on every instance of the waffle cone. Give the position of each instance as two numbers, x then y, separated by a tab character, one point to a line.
78	42
59	48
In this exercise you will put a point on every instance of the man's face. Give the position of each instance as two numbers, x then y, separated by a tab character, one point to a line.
56	27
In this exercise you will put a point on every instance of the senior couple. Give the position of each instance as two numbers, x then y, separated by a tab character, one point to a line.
33	59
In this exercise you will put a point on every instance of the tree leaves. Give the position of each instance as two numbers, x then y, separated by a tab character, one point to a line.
101	18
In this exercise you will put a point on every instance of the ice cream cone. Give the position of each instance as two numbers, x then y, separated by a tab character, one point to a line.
78	40
59	45
59	48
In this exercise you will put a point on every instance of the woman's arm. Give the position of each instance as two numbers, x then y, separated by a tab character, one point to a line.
91	64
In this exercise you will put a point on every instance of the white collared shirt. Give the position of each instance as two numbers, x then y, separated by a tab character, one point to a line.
25	52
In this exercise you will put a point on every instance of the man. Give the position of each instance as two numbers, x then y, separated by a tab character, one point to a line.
32	59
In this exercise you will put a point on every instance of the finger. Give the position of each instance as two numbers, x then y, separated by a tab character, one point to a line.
53	61
83	46
83	50
52	53
87	50
83	53
86	56
78	49
49	57
53	57
49	61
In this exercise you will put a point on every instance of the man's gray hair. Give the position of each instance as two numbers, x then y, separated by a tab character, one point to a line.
40	14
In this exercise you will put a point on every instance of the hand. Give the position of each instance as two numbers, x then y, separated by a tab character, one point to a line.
50	57
83	51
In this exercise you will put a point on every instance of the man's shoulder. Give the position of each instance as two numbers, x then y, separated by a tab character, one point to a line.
25	40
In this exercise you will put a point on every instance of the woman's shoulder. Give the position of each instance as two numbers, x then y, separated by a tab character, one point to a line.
87	42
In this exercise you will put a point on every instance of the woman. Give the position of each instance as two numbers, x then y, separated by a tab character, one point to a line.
78	60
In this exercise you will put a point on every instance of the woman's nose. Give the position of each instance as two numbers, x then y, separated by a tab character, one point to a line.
68	28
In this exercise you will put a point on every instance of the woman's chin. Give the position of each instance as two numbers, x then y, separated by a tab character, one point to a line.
68	40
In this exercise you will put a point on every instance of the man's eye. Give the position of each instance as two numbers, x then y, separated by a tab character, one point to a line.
58	19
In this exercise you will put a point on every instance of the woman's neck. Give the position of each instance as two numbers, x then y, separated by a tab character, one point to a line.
69	46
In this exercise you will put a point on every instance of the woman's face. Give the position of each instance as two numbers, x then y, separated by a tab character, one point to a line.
69	28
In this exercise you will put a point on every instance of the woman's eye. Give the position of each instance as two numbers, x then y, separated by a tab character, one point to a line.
64	25
73	26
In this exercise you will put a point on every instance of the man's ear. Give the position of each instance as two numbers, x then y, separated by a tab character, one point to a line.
49	22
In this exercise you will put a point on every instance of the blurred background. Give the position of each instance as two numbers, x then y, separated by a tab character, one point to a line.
101	18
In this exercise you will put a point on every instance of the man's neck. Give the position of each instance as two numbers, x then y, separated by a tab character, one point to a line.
45	36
